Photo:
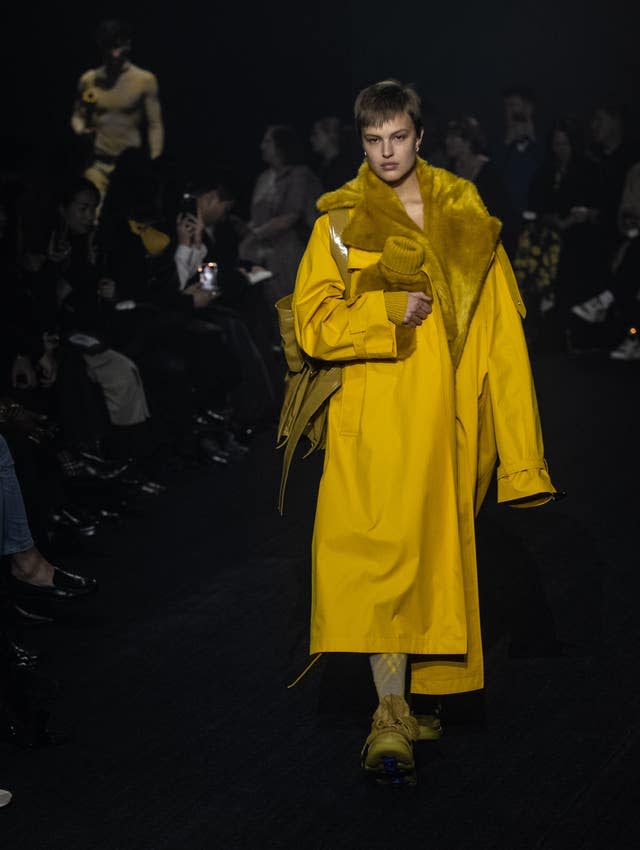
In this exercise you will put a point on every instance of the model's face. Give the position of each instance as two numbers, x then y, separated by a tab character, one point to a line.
80	214
392	148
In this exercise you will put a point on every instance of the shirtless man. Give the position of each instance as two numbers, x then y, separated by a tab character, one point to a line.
118	104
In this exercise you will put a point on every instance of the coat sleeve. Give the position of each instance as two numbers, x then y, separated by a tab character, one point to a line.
523	479
328	326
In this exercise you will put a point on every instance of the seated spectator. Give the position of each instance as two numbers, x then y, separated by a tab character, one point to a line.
30	391
25	696
612	153
619	302
207	238
188	365
31	573
562	251
72	303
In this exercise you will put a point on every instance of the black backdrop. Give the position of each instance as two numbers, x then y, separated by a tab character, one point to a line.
227	70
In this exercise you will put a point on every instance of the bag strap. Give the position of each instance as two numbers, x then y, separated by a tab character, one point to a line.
338	220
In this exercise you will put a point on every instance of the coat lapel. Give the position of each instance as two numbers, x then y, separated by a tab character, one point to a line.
459	237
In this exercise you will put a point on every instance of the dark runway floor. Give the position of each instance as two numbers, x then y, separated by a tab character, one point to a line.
173	677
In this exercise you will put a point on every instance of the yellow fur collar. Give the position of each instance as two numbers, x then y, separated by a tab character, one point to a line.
459	237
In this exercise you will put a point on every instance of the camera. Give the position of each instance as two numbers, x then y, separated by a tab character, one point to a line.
208	277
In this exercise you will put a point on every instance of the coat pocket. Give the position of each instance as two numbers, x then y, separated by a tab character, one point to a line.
354	378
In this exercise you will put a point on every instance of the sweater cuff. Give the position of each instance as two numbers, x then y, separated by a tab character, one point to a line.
396	306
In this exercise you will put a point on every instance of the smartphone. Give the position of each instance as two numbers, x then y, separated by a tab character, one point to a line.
208	276
189	204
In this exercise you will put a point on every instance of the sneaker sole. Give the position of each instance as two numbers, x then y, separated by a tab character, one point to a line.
390	772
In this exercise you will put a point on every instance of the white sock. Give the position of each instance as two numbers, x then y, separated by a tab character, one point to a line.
389	673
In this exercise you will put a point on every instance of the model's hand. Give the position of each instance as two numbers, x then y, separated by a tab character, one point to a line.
418	308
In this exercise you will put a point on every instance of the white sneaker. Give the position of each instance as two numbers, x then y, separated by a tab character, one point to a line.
595	309
547	302
629	349
5	797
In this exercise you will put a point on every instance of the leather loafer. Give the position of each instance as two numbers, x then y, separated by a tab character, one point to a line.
65	586
22	617
72	519
143	486
210	451
22	658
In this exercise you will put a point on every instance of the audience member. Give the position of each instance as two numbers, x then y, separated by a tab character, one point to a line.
618	303
188	362
208	243
282	213
517	154
25	696
334	145
564	252
613	154
465	147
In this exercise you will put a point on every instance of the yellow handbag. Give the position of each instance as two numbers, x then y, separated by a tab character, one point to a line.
309	383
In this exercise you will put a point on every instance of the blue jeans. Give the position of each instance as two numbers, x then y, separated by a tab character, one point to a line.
15	535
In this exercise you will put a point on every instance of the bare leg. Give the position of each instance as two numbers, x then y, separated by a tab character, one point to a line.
32	567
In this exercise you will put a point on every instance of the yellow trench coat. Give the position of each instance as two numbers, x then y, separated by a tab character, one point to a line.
411	448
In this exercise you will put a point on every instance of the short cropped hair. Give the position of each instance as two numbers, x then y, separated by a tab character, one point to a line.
113	33
382	101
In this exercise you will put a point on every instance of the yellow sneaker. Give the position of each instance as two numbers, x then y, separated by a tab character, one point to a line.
429	726
388	751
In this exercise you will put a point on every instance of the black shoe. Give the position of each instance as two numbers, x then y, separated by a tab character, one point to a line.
210	451
21	658
235	449
86	467
103	468
140	485
65	586
72	519
22	617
